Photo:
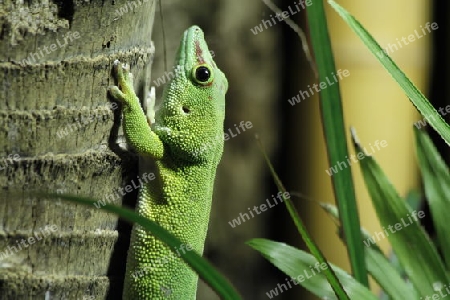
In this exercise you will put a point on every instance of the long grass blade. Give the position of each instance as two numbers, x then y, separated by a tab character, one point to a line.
415	96
328	272
415	252
436	179
305	270
335	137
378	266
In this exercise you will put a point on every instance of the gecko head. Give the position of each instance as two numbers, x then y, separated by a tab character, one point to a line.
190	119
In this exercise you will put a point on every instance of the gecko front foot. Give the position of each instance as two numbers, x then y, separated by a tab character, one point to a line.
124	91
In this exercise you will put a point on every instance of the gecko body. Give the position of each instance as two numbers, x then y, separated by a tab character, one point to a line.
186	144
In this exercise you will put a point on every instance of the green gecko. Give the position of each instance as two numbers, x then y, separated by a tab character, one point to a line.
183	142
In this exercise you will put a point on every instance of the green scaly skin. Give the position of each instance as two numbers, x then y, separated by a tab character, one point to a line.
186	143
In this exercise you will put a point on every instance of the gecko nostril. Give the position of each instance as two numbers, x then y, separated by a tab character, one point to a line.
186	110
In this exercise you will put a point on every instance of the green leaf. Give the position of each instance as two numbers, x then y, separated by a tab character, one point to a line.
335	137
413	198
305	268
200	265
436	179
387	276
415	96
379	267
414	250
328	272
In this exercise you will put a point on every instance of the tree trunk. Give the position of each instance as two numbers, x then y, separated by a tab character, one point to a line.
57	134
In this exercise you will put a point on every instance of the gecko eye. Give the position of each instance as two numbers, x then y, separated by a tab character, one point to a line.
202	74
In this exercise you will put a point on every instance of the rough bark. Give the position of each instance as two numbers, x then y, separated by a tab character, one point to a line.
56	129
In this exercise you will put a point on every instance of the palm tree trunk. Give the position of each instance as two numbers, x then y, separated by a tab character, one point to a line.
56	128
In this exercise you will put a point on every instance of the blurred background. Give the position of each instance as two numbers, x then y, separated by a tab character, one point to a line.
267	69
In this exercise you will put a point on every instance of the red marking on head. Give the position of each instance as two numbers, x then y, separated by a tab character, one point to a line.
199	53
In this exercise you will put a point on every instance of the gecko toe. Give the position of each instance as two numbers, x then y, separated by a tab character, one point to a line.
116	93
